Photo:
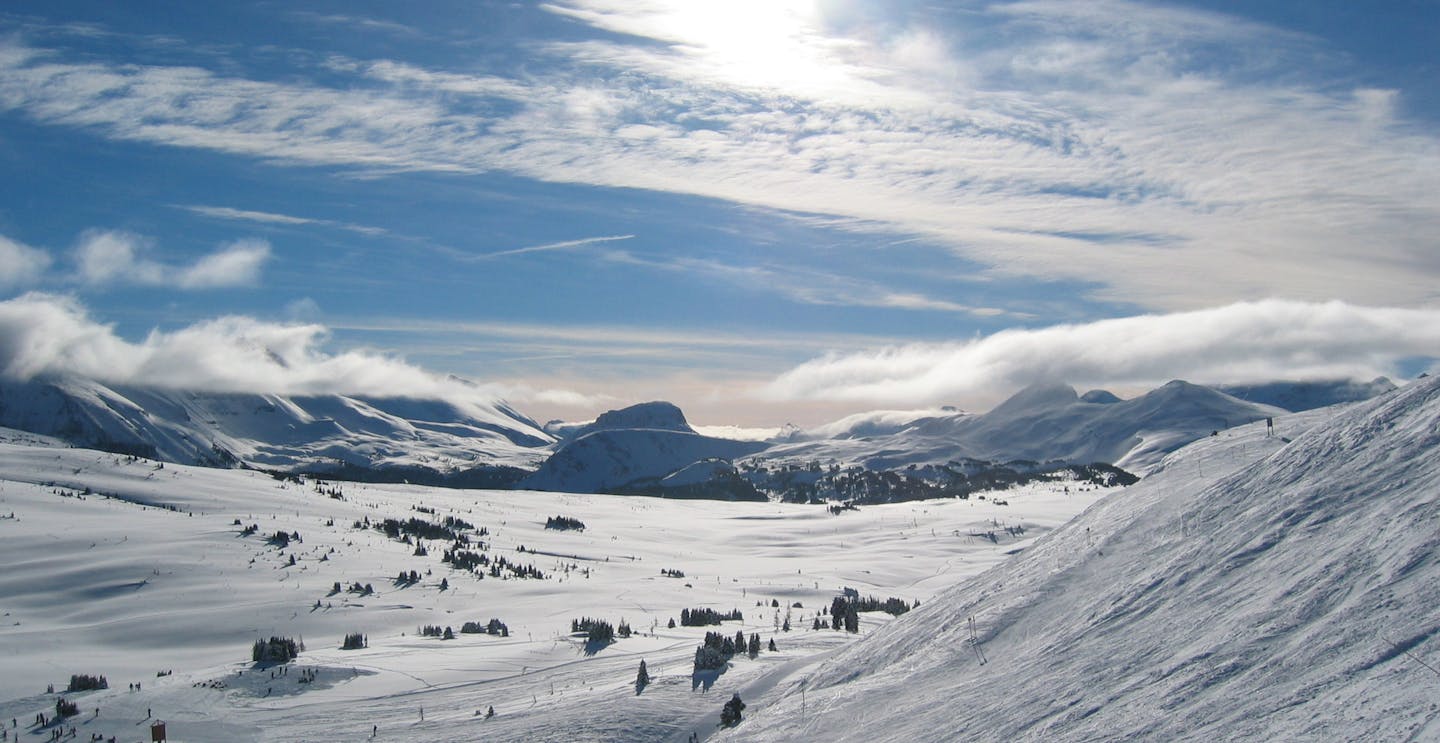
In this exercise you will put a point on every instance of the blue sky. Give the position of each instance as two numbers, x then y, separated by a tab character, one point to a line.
765	211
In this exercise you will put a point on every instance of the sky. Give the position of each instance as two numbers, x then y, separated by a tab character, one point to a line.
766	211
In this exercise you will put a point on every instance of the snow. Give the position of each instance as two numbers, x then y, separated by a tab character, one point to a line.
1041	423
274	431
148	573
1253	587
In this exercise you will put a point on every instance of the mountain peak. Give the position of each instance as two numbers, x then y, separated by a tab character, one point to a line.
657	414
1038	396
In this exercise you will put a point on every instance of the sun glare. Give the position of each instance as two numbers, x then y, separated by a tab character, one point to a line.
776	44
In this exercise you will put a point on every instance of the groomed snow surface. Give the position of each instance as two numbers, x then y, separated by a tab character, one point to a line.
126	568
1253	588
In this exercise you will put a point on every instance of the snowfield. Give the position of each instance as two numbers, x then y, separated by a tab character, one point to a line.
127	568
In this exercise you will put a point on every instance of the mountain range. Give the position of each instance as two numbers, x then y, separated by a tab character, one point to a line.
648	448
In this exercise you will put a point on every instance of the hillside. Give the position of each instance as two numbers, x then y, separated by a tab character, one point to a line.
1249	589
350	435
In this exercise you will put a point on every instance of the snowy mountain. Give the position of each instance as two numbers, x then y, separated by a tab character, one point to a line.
356	437
1249	589
632	450
1043	422
1296	396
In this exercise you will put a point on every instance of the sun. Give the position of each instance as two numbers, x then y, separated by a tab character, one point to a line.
780	45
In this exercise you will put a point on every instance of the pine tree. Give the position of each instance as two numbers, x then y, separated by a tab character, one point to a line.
730	714
754	648
642	679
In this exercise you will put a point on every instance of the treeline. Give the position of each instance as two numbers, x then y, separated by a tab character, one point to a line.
958	479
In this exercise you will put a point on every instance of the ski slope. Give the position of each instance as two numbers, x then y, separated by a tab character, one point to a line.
1254	587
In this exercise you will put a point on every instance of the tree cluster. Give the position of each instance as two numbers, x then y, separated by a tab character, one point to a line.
493	627
706	616
564	523
463	559
597	631
718	649
354	641
434	630
842	611
501	566
66	708
276	650
86	682
282	539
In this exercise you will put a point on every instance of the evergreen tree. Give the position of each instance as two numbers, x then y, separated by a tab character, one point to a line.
754	648
730	713
642	679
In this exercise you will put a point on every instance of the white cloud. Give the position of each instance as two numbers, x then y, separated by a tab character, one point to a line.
42	334
561	245
247	215
1167	157
20	264
1249	341
50	335
107	257
236	264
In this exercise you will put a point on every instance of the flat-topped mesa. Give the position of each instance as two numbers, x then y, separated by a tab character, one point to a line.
646	415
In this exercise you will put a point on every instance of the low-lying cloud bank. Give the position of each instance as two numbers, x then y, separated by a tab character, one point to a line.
1248	341
51	335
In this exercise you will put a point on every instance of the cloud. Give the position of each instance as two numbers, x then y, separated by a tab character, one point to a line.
43	334
235	264
1249	341
49	335
20	264
1158	156
808	286
109	257
225	212
562	245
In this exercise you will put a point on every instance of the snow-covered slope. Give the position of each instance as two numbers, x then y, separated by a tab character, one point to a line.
1250	589
1043	422
1296	396
271	431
